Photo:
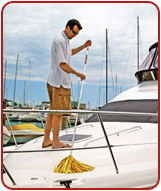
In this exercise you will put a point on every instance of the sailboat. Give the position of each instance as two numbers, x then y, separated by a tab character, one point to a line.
120	141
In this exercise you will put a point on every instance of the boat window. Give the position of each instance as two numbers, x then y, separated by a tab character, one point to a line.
151	61
150	75
142	106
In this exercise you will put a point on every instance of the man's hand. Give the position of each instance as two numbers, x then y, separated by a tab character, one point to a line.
76	50
87	43
82	76
67	68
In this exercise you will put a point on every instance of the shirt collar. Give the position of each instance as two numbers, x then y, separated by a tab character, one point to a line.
65	36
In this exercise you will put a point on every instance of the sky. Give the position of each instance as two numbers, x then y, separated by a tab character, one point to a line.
29	28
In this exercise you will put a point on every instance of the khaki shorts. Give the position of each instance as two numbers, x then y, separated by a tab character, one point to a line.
60	99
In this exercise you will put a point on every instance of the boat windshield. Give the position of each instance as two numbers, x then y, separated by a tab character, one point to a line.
143	106
149	68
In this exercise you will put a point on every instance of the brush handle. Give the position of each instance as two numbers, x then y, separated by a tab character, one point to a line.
79	101
86	56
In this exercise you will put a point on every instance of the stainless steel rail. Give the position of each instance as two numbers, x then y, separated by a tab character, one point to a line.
108	142
11	130
9	175
24	111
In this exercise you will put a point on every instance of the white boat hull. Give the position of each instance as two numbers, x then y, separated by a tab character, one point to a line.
20	139
136	158
129	178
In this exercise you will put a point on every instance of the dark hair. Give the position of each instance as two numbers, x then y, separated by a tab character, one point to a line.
72	22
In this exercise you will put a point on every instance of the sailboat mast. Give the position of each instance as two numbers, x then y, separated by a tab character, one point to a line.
116	85
24	92
15	79
138	43
106	65
29	83
5	80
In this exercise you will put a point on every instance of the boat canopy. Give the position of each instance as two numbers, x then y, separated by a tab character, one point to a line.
149	68
140	106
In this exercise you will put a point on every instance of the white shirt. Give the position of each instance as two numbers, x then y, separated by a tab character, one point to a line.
60	52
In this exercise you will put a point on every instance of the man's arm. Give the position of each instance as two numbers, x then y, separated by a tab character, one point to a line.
76	50
67	68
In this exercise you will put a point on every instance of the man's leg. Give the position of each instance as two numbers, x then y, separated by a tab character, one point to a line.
56	124
48	124
47	141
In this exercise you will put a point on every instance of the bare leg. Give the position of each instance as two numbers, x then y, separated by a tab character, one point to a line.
56	124
47	141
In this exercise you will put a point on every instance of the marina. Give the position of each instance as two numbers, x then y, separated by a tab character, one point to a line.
94	65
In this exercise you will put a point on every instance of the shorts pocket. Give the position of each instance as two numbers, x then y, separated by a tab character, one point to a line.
64	98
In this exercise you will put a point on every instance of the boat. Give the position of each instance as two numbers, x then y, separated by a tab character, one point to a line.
120	141
42	117
24	133
13	117
26	118
81	118
72	119
6	136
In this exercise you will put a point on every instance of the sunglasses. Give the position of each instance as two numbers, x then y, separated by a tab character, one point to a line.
74	32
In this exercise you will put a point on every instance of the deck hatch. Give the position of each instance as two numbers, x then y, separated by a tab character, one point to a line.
78	137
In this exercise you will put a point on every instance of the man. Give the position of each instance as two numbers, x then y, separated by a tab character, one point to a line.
59	82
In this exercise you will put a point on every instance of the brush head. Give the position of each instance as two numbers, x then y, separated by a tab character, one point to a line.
71	165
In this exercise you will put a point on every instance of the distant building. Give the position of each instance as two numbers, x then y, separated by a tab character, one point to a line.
74	105
45	104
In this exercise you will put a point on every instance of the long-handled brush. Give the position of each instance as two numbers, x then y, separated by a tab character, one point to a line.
70	164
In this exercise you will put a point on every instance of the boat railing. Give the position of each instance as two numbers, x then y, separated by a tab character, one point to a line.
116	133
98	113
26	111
